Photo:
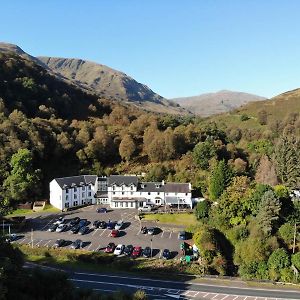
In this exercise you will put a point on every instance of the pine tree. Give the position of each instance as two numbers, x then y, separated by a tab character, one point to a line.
219	180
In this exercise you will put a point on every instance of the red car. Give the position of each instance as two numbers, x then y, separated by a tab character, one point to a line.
114	233
137	251
110	248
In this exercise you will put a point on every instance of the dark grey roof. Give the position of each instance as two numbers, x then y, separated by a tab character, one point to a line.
177	188
150	187
75	181
102	178
119	180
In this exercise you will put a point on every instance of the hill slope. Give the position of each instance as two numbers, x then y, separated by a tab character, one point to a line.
215	103
110	83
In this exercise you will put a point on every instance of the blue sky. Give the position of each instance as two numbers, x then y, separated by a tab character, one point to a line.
178	48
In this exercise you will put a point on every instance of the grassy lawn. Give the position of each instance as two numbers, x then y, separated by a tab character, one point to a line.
176	219
21	212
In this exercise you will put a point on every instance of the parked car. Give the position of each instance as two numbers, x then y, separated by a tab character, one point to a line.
119	225
102	224
147	252
119	249
61	220
111	225
128	250
166	254
114	233
144	230
110	248
83	223
11	238
84	230
61	228
74	221
102	210
52	227
59	243
77	244
96	224
75	229
145	208
151	230
136	252
182	235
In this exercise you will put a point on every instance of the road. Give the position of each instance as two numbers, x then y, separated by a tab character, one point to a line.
167	289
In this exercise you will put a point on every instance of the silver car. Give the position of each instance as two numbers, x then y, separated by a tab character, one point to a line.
119	225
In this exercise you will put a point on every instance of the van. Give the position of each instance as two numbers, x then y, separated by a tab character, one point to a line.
145	208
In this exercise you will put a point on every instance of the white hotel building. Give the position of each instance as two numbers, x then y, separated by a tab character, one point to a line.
118	191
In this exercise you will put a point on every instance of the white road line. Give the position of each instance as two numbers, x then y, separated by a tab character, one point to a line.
47	243
235	297
162	234
88	248
22	240
159	255
215	296
95	231
208	294
47	224
170	235
102	232
139	232
227	296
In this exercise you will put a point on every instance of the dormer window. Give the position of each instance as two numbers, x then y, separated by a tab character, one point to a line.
157	186
131	187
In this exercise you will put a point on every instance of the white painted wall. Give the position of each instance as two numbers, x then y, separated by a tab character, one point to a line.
55	195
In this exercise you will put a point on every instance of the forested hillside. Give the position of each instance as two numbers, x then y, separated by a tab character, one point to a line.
49	129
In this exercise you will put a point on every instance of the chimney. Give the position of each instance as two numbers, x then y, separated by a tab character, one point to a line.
163	182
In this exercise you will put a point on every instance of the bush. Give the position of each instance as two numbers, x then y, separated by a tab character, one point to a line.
244	117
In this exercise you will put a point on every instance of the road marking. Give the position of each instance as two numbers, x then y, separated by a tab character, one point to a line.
160	253
214	296
88	248
102	232
22	240
162	234
95	231
47	224
227	296
139	232
235	297
170	235
47	243
207	295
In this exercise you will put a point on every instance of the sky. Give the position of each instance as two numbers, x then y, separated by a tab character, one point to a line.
178	48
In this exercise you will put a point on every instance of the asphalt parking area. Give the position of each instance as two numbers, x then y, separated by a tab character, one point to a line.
36	231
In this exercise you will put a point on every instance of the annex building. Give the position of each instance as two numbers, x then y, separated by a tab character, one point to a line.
118	191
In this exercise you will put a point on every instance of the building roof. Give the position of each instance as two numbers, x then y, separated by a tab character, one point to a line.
177	188
76	181
151	187
119	180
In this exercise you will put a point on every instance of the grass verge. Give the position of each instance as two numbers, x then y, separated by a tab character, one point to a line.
185	219
21	212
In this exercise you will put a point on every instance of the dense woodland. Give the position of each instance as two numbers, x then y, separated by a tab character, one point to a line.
50	129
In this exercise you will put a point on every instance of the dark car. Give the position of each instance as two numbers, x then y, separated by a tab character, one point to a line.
147	252
114	233
75	229
53	227
128	250
11	238
144	230
75	221
182	235
59	243
111	225
101	210
77	244
83	223
84	230
136	252
102	224
110	248
166	254
96	224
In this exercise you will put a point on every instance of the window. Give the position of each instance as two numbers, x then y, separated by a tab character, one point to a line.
66	205
126	204
89	187
131	193
114	193
148	200
116	204
131	188
75	196
83	188
121	204
67	197
67	191
158	193
75	189
75	203
167	194
157	201
131	204
114	187
186	194
123	193
83	195
149	193
176	193
90	194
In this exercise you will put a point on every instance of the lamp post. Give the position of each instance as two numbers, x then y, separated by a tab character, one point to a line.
294	243
151	247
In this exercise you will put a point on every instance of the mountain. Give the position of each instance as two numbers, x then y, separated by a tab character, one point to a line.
215	103
110	83
100	80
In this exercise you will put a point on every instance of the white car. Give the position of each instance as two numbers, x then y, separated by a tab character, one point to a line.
61	220
119	249
61	227
145	208
119	225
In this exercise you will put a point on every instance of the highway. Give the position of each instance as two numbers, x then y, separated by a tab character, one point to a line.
168	289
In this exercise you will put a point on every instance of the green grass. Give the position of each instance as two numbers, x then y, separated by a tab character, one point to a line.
21	212
176	219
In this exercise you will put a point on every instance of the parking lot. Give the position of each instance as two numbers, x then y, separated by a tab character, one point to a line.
36	231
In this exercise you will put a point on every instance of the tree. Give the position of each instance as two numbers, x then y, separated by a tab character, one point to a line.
202	210
269	211
279	259
296	260
219	179
286	232
266	173
127	147
203	152
157	173
23	181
